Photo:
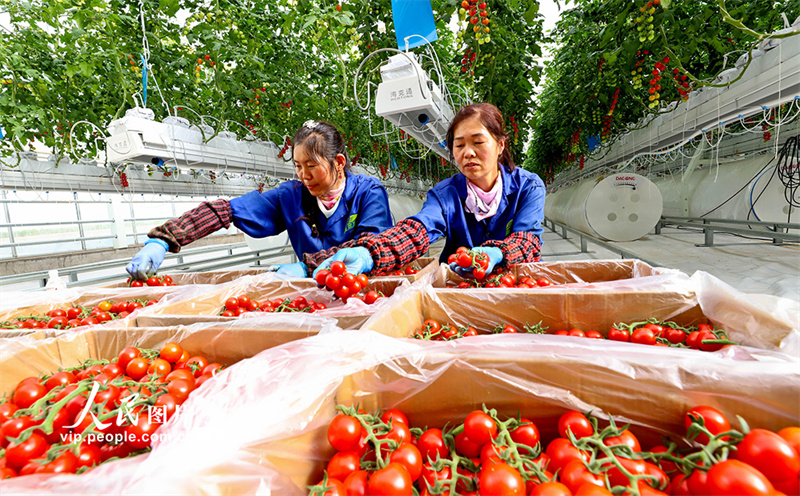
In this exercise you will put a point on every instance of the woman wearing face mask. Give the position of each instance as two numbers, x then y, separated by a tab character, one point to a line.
490	206
326	206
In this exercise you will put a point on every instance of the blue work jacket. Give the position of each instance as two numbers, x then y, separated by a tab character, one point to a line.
521	209
364	208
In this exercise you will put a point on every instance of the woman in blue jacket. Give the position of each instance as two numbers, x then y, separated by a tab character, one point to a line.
491	206
325	207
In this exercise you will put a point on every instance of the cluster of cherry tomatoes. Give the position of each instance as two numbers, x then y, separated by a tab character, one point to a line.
385	455
79	417
499	279
150	281
466	258
652	332
346	285
78	315
234	307
408	271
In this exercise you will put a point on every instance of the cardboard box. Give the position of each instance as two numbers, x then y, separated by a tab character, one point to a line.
223	342
484	309
42	302
437	384
583	271
205	307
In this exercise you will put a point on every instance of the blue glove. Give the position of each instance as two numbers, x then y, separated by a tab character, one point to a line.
495	257
148	260
357	260
297	269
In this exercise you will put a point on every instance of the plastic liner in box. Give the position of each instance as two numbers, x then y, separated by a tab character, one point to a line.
262	429
204	303
215	277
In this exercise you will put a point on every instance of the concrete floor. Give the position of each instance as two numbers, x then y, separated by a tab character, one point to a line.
751	266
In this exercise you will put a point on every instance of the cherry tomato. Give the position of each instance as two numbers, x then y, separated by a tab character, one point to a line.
232	304
371	297
479	427
26	394
171	352
501	479
409	456
342	464
243	300
159	368
526	435
19	454
393	479
643	335
338	268
622	335
577	423
575	474
432	446
561	451
466	447
792	436
714	421
136	368
345	432
180	389
126	355
733	477
625	437
356	483
770	454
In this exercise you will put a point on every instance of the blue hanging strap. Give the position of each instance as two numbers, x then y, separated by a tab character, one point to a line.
144	79
413	19
1	132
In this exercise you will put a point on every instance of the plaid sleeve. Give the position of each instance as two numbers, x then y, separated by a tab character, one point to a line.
396	246
312	260
519	247
194	224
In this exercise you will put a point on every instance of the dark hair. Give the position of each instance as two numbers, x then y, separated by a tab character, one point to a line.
491	118
323	142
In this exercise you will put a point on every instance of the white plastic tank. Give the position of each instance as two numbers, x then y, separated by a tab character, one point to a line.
620	207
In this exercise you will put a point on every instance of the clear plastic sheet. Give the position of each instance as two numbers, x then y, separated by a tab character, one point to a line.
763	321
204	303
217	277
259	428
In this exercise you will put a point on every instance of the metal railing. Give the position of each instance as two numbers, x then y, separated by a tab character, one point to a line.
227	259
585	239
778	231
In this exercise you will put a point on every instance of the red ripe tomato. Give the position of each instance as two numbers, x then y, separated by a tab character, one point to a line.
551	488
680	485
137	284
464	260
391	480
399	433
348	279
252	306
643	335
432	446
770	454
196	364
617	478
713	420
180	389
576	333
159	367
675	336
429	476
594	335
501	479
371	297
26	394
526	435
19	454
543	282
622	335
575	474
345	432
133	305
171	352
243	300
60	379
355	288
128	354
561	451
338	268
321	276
363	280
333	282
356	483
792	436
333	487
342	464
577	423
7	409
140	435
733	477
466	447
232	304
394	415
88	455
137	368
452	258
153	281
693	340
409	456
479	427
625	437
342	291
708	335
73	312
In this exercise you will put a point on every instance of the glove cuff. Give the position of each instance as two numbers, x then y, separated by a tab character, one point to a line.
158	241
